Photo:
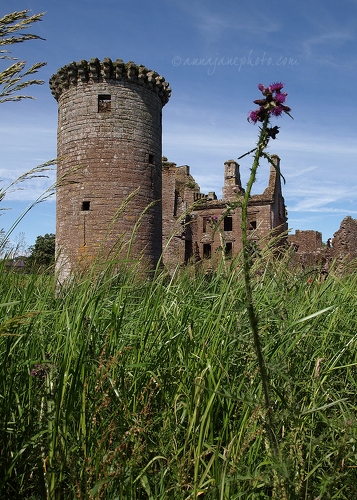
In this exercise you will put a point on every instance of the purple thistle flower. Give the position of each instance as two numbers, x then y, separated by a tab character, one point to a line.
272	104
40	371
277	110
253	116
280	98
276	87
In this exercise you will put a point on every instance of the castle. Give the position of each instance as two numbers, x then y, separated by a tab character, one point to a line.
210	226
116	193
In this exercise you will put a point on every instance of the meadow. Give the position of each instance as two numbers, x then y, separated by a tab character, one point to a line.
232	383
130	387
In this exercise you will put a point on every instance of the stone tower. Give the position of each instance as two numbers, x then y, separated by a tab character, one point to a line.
109	162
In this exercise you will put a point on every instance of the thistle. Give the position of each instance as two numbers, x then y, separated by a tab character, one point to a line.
272	105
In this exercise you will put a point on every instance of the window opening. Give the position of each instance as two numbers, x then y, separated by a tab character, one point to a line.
104	103
228	223
206	251
151	159
85	206
228	249
176	202
252	225
188	250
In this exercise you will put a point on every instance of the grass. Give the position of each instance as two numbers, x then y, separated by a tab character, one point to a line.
128	388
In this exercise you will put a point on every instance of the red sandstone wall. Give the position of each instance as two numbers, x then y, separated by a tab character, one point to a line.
172	229
307	241
107	154
344	240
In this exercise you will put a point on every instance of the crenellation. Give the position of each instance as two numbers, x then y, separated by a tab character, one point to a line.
82	71
107	69
94	69
118	69
108	72
131	71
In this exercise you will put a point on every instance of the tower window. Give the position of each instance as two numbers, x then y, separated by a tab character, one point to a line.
85	205
252	225
151	159
104	103
228	224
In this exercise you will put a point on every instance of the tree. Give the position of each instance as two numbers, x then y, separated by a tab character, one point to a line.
13	78
42	253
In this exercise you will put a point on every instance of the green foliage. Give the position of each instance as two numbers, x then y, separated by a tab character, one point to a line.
42	252
134	388
14	78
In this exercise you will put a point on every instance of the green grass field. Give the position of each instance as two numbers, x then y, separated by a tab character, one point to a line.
133	388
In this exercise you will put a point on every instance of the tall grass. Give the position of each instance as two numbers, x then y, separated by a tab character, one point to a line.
135	388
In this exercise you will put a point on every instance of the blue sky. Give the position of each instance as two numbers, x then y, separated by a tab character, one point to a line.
213	54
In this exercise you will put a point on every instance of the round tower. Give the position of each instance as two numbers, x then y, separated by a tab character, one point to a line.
109	149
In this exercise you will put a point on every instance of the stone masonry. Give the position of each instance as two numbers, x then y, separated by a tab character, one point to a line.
109	167
344	242
198	226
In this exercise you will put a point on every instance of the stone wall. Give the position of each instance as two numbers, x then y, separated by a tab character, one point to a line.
306	241
205	227
344	242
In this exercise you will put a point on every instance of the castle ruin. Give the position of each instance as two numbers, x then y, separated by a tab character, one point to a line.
201	226
116	193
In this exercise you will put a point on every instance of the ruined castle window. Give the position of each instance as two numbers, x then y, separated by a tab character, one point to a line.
228	223
85	205
206	251
151	159
206	224
252	225
228	249
176	202
104	103
188	250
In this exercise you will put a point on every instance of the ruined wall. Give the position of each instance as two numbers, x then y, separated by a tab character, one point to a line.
109	146
270	204
172	208
344	242
232	181
209	228
214	230
306	241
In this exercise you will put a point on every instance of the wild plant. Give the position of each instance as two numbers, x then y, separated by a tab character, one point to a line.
272	104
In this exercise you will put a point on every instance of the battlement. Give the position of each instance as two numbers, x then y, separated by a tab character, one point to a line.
96	71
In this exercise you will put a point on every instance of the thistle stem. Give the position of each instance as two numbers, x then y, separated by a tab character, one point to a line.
253	319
